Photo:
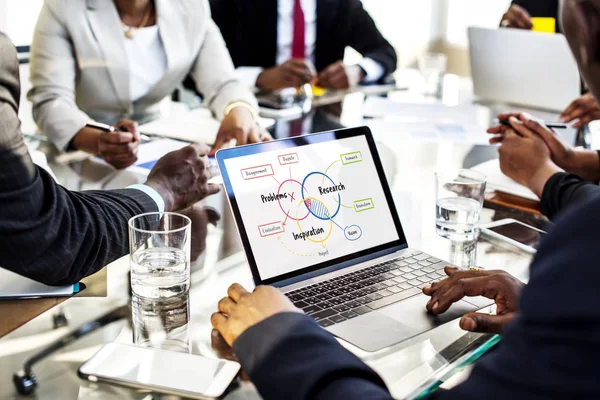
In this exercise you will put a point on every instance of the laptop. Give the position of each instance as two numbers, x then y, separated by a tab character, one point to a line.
523	68
317	220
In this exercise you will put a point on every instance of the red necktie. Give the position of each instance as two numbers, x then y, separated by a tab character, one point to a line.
298	45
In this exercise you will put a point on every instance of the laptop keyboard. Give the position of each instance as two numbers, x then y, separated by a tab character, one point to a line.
348	296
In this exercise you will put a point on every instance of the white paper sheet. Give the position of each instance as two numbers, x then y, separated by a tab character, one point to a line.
496	180
390	131
16	286
381	107
196	125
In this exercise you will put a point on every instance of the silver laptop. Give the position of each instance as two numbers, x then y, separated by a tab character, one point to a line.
317	220
524	68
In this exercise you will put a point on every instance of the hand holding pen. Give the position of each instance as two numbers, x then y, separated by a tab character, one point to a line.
118	144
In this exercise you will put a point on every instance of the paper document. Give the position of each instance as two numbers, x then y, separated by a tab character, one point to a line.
496	180
197	125
149	154
381	107
387	130
16	286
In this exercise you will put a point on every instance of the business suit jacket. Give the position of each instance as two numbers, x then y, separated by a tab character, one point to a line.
542	8
79	67
48	233
550	352
249	28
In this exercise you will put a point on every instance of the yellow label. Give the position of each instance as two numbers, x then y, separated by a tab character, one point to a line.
318	91
544	25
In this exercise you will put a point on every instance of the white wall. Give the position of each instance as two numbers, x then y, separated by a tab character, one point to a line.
17	19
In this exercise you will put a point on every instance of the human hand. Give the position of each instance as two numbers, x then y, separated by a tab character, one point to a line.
499	286
181	177
340	76
119	148
239	124
524	156
242	310
200	216
516	17
292	73
585	108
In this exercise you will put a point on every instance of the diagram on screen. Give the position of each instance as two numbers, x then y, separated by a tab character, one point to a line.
312	209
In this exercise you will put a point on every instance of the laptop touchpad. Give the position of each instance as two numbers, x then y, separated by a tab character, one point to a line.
412	312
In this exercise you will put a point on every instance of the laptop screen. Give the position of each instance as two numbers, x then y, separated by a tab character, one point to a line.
307	203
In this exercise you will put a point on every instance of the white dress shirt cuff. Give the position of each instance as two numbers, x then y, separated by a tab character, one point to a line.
249	75
160	203
373	70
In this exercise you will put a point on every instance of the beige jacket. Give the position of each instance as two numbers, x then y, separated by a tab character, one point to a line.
79	67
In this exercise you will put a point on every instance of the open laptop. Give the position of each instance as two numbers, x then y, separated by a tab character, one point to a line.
524	68
317	220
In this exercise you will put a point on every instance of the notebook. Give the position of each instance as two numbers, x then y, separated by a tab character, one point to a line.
16	286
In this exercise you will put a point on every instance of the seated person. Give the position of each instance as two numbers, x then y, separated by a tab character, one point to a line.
114	61
535	156
550	346
584	109
520	12
286	43
56	236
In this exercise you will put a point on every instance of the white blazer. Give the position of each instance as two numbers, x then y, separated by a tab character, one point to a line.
79	68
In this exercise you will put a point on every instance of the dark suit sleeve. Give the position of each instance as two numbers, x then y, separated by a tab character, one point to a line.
48	233
550	352
562	191
539	8
366	38
289	356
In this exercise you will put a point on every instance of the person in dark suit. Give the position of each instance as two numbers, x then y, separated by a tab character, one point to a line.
275	43
57	237
582	110
520	12
550	327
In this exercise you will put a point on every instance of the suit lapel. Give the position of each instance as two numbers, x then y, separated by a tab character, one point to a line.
105	23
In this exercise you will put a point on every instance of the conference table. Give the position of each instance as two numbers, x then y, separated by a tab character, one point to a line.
409	165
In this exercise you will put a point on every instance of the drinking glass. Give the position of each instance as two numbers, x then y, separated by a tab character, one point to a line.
459	199
433	68
162	323
159	245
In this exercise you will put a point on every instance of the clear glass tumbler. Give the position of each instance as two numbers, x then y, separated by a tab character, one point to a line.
433	68
459	198
159	245
162	323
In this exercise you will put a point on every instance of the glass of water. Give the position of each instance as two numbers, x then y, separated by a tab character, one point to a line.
162	323
433	68
459	199
159	245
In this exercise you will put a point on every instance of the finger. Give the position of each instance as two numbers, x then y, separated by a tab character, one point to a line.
236	292
299	69
498	129
548	135
254	136
577	112
519	127
454	275
476	286
212	189
219	322
117	148
585	120
116	137
565	116
212	215
507	115
292	80
226	305
485	323
127	125
496	140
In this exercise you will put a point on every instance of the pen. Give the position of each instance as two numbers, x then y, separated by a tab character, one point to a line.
110	128
551	125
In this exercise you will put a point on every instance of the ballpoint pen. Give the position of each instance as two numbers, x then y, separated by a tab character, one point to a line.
110	128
